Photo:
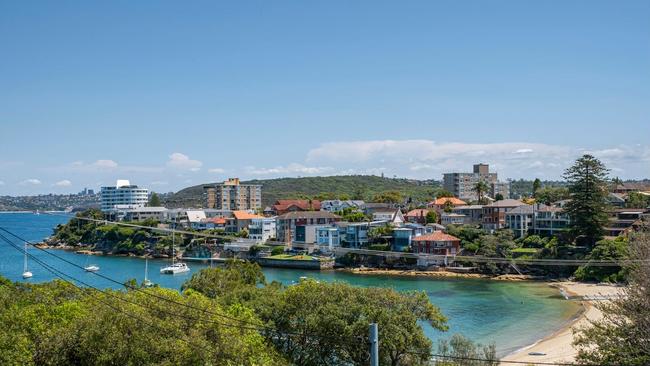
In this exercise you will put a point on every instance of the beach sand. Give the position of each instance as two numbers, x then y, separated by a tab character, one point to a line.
558	346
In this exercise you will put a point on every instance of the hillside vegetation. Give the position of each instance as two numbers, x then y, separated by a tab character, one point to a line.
348	186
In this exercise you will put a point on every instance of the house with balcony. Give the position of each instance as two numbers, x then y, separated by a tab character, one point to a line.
340	205
301	226
473	213
437	243
391	216
494	214
453	219
520	220
549	220
622	219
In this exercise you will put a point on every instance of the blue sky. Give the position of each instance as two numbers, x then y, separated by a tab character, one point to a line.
172	94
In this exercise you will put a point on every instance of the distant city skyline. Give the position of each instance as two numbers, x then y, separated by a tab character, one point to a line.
170	96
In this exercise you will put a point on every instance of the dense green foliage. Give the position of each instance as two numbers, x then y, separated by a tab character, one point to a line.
605	250
548	195
362	187
328	322
637	200
587	180
461	347
57	324
622	336
154	200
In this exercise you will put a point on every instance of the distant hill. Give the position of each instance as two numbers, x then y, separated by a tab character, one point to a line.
354	186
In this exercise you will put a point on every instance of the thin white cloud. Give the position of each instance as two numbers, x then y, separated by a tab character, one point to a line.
216	170
291	169
183	162
108	164
31	181
63	183
429	159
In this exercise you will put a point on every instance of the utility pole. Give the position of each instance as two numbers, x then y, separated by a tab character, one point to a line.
374	345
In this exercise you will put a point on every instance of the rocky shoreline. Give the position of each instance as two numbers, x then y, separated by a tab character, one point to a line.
441	274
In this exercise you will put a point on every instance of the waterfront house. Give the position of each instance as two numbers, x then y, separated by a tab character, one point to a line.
136	213
621	219
262	228
418	216
494	214
300	226
281	207
549	220
437	243
196	219
520	220
240	220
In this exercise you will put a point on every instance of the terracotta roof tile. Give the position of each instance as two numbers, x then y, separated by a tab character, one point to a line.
436	236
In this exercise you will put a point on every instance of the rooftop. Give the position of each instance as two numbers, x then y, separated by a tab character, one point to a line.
443	200
506	203
308	215
436	236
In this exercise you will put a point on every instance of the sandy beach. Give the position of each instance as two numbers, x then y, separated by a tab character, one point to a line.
558	346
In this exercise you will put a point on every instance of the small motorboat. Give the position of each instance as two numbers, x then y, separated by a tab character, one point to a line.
536	354
175	268
27	274
91	268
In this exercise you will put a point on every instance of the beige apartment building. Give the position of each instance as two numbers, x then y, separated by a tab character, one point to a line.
232	195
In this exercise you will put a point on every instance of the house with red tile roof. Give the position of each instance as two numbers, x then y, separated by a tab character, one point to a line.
437	243
417	216
440	203
283	206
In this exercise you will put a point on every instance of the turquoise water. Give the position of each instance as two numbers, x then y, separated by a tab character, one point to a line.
511	314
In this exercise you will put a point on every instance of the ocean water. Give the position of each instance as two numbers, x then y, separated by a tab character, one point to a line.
510	314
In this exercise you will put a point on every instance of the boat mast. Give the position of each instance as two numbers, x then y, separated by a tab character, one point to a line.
25	261
173	243
146	268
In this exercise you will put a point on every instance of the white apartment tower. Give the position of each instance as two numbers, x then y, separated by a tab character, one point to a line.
123	194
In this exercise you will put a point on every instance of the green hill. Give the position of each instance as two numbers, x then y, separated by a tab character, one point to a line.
350	186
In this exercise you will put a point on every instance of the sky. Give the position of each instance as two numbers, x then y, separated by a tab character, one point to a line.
171	94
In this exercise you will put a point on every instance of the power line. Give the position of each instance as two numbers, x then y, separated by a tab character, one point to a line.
247	325
457	258
497	361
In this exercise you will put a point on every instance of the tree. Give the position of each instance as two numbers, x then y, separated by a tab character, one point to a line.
432	217
548	195
154	200
637	200
622	336
444	193
481	187
498	197
388	197
611	250
459	347
537	184
587	180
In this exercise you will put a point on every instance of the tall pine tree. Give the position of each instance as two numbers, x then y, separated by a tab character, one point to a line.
587	180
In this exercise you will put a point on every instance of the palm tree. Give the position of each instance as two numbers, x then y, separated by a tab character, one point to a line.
480	188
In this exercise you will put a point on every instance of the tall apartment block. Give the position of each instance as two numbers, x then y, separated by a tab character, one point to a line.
231	195
123	193
462	184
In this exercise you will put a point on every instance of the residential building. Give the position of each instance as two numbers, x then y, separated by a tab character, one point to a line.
453	219
262	228
473	213
617	199
622	219
392	216
520	220
196	219
418	215
402	237
549	220
281	207
123	194
240	220
300	226
328	237
232	195
442	203
371	207
438	243
340	205
462	184
494	214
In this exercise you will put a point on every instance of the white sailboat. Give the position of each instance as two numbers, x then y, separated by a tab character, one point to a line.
174	268
26	272
146	282
91	267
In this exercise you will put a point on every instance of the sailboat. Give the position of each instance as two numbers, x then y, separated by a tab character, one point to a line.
91	267
146	282
174	268
26	273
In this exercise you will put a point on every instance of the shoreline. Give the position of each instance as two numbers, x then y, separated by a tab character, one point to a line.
441	274
558	346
